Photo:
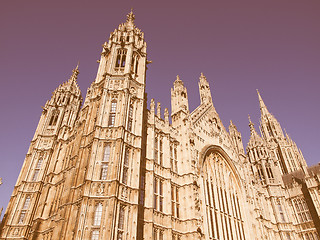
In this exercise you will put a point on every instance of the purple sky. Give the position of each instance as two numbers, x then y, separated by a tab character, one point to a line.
240	46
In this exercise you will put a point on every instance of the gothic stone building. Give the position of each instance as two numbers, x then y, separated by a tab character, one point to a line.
114	168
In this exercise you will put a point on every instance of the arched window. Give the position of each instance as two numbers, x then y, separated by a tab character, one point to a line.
260	173
161	153
130	117
121	59
97	215
24	209
125	168
269	172
39	163
105	162
95	235
26	203
156	152
54	117
222	192
134	63
120	232
112	114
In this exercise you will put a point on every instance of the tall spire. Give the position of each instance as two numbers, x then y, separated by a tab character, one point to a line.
75	73
263	108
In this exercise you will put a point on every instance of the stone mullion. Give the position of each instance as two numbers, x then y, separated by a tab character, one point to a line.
204	180
217	198
234	217
208	207
220	201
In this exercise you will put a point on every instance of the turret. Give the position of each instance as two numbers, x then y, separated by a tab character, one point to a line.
179	97
204	89
63	107
236	138
259	156
179	102
125	53
283	147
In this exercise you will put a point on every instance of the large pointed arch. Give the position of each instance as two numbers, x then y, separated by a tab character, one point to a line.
217	149
222	191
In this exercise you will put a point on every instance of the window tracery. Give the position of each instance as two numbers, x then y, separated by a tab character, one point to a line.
121	59
222	193
97	215
54	117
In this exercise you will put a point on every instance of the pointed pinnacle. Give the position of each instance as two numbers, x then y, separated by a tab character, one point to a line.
202	77
75	73
263	108
251	125
178	80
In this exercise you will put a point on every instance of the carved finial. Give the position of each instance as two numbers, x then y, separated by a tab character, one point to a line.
130	17
232	125
202	77
152	105
178	81
251	125
166	115
158	110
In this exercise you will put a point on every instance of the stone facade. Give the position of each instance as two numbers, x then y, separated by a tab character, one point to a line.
114	169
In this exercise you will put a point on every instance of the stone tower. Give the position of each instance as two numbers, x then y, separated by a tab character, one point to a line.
114	169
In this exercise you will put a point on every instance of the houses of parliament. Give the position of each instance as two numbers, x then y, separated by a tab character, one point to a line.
111	167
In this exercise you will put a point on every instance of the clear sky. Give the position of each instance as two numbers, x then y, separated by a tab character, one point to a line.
240	46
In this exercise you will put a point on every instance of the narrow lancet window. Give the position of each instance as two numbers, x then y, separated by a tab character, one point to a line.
125	167
112	114
105	162
120	235
95	235
35	175
54	118
121	59
98	215
24	209
130	117
158	194
175	201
